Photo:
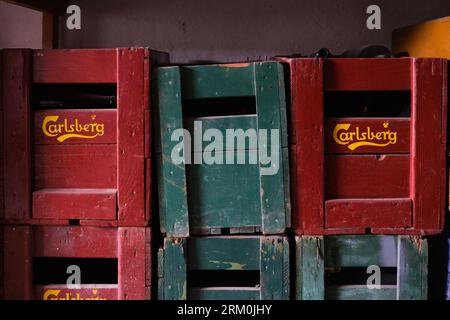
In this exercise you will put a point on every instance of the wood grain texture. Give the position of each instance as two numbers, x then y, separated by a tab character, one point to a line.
75	166
16	134
366	74
368	213
130	148
96	204
74	66
367	176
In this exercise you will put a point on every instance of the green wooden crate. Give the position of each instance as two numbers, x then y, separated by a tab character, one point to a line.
224	267
325	267
206	198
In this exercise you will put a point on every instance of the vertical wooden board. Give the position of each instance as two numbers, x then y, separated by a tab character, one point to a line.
309	268
360	251
175	269
130	122
412	274
287	187
426	112
367	176
309	151
147	134
18	263
132	266
274	266
219	253
16	134
268	86
75	166
171	176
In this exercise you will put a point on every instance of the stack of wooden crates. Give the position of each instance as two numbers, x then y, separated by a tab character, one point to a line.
368	159
76	160
224	209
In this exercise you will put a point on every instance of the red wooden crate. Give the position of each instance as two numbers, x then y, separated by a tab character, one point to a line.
382	174
36	260
70	161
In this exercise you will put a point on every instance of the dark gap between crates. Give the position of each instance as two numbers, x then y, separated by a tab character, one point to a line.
358	276
74	96
223	278
49	270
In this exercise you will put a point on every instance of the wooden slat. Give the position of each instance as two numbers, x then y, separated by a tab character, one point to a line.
214	81
348	292
75	166
173	270
367	135
426	157
274	275
367	74
412	268
85	292
269	104
360	251
309	278
74	66
367	176
309	150
219	253
173	206
17	124
224	293
368	213
75	126
74	241
17	261
132	267
96	204
130	116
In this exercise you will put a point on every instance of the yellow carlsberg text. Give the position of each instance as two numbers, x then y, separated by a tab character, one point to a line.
66	129
356	137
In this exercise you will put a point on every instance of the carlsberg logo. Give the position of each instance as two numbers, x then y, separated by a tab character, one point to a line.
355	137
63	129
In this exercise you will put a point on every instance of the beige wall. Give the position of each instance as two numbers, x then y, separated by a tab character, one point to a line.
20	27
230	30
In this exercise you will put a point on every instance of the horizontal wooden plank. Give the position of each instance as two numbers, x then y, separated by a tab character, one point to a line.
219	253
96	204
75	66
75	166
367	135
224	293
75	126
214	81
360	251
75	242
367	176
85	292
367	74
360	293
368	213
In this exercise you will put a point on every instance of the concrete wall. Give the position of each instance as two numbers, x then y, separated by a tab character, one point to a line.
20	27
235	30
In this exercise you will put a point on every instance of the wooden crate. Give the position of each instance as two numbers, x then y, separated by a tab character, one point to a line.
331	267
115	263
224	267
202	198
77	128
428	39
368	144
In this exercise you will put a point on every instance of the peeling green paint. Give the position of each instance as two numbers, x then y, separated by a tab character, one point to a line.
233	265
